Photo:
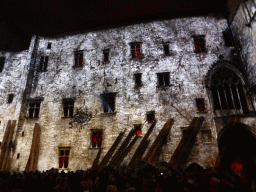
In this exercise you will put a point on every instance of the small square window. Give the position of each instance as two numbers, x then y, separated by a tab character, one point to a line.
137	129
49	45
138	79
135	50
108	101
200	104
106	55
10	98
34	108
163	79
199	42
2	60
68	107
228	38
44	63
63	157
96	139
166	49
78	58
151	117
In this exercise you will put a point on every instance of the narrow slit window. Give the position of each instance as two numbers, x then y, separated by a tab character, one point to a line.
10	98
166	49
106	55
138	79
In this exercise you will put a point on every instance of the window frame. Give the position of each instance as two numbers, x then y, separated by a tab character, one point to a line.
227	36
200	42
49	45
106	99
64	157
8	99
136	76
163	77
43	64
2	62
168	48
200	104
77	56
98	134
35	106
137	130
137	47
69	107
151	120
105	52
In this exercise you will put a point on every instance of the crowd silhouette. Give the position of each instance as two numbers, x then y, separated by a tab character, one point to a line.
142	177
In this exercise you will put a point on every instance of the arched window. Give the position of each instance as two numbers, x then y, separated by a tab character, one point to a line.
227	92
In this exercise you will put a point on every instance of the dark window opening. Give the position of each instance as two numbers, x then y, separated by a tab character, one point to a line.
63	157
0	143
163	79
151	117
10	98
137	129
18	156
2	60
135	49
227	91
108	101
199	44
68	107
22	134
200	104
97	139
106	55
49	45
228	38
78	58
44	63
185	133
138	79
166	49
34	110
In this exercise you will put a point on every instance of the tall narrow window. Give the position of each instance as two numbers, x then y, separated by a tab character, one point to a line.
166	49
34	108
10	98
163	79
78	58
2	60
228	38
49	45
96	139
199	42
64	157
44	63
200	104
138	79
68	107
135	50
108	101
227	91
137	129
106	55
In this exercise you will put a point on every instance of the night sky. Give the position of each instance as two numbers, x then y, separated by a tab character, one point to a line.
19	19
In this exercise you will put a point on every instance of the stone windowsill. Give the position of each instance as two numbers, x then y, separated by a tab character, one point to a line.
67	117
77	66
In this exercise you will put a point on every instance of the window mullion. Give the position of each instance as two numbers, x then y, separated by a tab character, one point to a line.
232	98
238	95
219	100
226	99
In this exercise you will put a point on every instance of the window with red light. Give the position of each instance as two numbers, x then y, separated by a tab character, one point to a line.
199	42
137	129
78	58
63	157
96	139
200	104
135	48
151	117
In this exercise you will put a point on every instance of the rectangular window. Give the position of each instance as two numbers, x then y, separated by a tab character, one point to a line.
34	108
10	98
64	157
163	79
166	49
78	58
96	139
108	101
200	104
68	107
44	63
106	54
138	79
199	42
135	50
137	129
2	60
151	117
228	38
49	45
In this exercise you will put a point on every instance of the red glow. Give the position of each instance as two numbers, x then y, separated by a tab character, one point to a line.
237	167
138	132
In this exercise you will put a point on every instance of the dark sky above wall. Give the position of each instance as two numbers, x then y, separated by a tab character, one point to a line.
22	18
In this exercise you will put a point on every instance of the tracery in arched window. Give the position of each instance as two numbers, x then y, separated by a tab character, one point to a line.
227	92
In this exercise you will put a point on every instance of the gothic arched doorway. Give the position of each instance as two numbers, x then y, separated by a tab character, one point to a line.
237	146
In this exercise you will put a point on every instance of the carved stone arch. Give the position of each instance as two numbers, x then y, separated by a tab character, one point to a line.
226	88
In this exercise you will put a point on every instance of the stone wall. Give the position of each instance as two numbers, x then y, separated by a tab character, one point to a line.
187	75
